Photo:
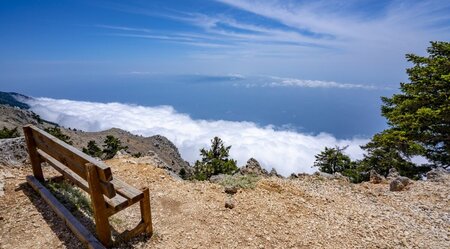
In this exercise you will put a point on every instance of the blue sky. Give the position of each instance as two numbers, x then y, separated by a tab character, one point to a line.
350	42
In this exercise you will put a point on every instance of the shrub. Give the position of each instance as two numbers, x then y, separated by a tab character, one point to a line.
56	132
73	198
240	181
9	133
92	149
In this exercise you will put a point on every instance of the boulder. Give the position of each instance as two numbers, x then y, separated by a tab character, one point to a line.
121	154
217	178
375	177
336	175
13	152
399	183
253	168
437	174
393	173
231	190
229	203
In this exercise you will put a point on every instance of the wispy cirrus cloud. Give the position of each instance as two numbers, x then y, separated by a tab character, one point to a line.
343	41
326	24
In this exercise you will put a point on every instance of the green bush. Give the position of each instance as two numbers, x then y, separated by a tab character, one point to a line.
9	133
56	132
71	197
240	181
92	149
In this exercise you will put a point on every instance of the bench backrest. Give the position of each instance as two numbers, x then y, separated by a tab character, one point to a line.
68	158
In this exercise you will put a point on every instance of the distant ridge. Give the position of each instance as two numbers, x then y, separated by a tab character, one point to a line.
10	98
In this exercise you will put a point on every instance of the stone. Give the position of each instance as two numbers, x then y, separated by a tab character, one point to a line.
121	154
393	173
229	203
231	190
217	178
253	168
375	177
13	152
399	183
293	176
437	174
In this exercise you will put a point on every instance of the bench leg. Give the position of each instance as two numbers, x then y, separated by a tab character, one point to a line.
98	206
146	212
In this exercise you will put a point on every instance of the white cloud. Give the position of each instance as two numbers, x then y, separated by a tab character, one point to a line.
286	151
290	82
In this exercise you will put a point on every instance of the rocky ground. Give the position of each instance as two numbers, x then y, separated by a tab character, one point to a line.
307	212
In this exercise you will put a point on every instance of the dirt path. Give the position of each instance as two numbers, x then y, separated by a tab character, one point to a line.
305	213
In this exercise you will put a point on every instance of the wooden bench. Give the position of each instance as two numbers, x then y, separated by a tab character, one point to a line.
108	195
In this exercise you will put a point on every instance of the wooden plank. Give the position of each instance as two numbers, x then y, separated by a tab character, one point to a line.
128	234
146	211
98	206
117	202
106	187
87	238
34	158
69	155
127	190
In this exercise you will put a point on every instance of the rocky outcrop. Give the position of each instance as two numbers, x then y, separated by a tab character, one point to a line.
253	168
437	174
399	183
274	173
393	173
13	152
166	155
375	177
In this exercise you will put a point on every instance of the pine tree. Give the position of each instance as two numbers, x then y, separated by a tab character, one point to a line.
419	116
214	161
111	146
92	149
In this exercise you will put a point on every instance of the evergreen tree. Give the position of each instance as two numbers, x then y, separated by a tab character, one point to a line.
92	149
332	160
111	146
214	161
56	132
419	116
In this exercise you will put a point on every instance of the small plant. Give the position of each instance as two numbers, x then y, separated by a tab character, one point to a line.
183	174
56	132
9	133
37	117
73	198
240	181
137	155
111	146
92	149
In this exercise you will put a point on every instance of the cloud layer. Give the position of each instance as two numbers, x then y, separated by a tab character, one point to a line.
286	151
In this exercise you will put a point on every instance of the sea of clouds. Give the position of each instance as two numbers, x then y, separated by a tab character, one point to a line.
285	150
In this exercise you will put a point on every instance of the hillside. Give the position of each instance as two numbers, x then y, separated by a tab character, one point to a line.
162	151
308	212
